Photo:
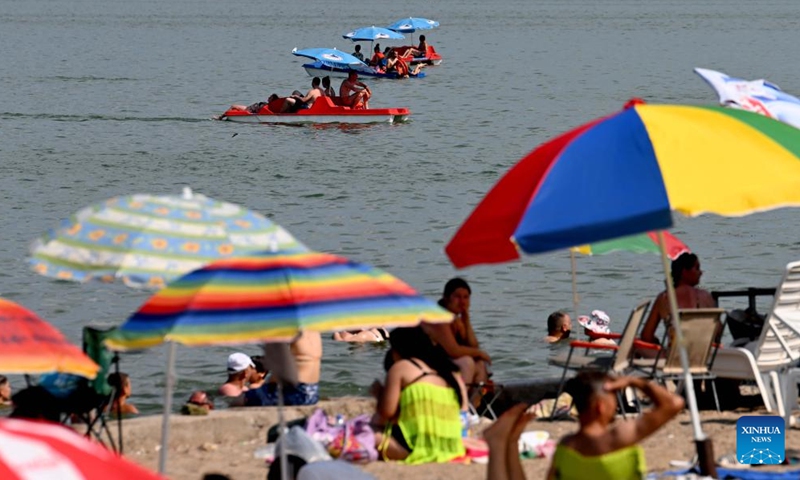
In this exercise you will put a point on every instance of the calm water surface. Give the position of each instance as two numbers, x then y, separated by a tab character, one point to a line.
106	98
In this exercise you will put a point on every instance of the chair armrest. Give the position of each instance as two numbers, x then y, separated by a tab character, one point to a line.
582	344
647	345
610	336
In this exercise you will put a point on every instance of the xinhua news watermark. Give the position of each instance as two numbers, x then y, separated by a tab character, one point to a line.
760	440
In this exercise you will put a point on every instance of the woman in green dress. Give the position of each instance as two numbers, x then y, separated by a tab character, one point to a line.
420	403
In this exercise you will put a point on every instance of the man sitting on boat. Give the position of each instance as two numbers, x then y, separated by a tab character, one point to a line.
354	94
309	98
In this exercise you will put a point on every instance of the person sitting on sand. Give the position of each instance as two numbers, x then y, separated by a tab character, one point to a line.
559	327
240	367
353	93
5	392
609	449
36	403
362	336
686	275
121	383
307	352
420	403
458	338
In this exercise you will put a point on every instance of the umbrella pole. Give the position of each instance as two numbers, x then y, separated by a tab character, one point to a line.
703	444
575	299
162	454
282	431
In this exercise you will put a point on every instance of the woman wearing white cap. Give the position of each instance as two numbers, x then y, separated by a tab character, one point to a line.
240	366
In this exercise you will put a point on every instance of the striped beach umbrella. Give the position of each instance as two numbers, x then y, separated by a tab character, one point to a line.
625	174
148	240
29	345
643	243
269	297
272	296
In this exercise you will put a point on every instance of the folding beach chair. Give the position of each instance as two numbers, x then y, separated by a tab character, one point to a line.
83	401
700	328
618	362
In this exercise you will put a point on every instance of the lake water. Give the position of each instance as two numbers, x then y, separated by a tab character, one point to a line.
99	99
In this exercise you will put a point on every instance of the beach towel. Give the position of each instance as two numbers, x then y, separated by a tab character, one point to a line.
736	474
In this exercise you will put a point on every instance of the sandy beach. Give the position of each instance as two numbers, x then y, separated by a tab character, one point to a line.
225	440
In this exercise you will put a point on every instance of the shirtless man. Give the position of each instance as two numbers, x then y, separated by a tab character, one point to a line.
240	368
354	93
559	327
312	95
307	352
686	275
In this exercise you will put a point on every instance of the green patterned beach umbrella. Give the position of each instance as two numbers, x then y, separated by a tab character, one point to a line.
148	240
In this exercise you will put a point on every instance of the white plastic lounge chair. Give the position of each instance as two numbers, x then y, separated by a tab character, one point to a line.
776	349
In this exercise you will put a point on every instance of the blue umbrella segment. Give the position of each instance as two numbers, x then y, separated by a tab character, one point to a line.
370	34
412	24
331	57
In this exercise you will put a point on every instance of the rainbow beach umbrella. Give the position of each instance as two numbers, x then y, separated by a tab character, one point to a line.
29	345
269	297
272	296
643	243
632	169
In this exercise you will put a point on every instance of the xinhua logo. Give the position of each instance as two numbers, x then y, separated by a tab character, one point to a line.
760	440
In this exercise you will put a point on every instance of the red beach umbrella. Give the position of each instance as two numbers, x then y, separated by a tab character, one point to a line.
37	450
29	345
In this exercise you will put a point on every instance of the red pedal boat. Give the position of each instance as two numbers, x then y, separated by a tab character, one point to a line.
323	110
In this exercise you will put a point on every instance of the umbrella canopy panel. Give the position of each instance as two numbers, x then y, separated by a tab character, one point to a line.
39	450
635	167
271	296
148	240
412	24
29	345
370	34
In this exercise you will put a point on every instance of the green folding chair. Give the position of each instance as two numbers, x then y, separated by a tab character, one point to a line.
99	394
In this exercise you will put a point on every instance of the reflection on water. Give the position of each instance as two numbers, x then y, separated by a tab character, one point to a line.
109	99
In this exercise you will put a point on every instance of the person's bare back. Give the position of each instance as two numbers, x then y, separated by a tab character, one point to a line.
307	352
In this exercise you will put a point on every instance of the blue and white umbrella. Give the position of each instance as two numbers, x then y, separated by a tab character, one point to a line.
331	57
412	24
370	34
148	240
758	96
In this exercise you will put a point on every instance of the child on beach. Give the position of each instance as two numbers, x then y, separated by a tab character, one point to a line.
601	448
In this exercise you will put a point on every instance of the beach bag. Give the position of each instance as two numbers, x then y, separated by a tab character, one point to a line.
353	440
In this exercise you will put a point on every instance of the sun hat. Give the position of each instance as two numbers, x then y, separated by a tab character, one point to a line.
598	322
238	362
